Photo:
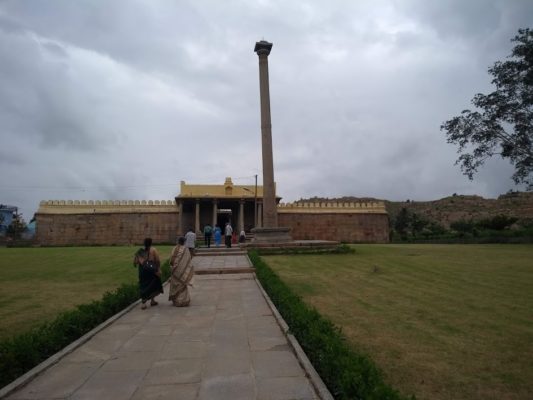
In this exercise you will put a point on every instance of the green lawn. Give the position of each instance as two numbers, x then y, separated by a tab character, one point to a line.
441	321
38	283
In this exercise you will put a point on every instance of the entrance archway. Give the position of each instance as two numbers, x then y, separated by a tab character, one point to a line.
224	215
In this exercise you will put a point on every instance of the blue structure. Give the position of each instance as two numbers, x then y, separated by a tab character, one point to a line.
29	233
7	217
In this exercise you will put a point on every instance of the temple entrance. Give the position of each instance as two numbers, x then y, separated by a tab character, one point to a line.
223	216
200	205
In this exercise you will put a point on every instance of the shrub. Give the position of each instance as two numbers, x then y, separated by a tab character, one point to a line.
463	226
497	223
340	249
165	270
347	374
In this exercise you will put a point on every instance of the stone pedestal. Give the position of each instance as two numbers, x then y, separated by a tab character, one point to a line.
272	235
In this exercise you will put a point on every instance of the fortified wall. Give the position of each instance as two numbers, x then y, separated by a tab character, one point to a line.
61	223
344	222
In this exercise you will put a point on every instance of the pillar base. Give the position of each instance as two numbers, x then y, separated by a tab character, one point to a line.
271	235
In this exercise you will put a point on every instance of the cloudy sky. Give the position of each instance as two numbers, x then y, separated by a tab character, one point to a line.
123	99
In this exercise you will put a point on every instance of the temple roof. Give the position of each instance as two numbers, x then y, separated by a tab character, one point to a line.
227	190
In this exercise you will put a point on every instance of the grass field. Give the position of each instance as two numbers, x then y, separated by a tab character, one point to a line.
441	321
39	283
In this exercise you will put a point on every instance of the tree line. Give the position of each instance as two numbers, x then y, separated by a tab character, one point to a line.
409	225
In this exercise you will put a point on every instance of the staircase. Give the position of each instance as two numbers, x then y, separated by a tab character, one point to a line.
221	260
201	242
235	250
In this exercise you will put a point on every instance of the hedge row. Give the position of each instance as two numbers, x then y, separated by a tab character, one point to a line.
22	352
347	374
340	249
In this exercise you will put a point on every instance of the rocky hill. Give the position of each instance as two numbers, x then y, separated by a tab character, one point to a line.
457	207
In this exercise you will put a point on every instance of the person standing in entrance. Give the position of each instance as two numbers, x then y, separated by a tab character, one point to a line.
190	241
218	235
208	231
228	231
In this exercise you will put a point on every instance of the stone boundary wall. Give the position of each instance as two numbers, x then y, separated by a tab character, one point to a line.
106	206
128	222
105	222
333	207
343	227
117	228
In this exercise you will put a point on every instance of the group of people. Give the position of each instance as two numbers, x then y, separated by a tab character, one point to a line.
216	233
181	272
229	235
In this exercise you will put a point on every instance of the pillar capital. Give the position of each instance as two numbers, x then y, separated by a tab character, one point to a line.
263	48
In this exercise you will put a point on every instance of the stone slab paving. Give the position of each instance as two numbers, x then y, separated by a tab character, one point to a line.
206	264
226	345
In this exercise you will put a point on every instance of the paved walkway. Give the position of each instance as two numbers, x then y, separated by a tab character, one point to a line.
205	264
226	345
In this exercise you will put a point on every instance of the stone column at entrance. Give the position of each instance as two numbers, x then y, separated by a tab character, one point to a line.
269	232
259	215
197	217
215	209
180	218
241	216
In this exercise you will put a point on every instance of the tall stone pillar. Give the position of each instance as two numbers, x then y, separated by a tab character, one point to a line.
259	215
241	216
215	211
270	215
269	232
197	217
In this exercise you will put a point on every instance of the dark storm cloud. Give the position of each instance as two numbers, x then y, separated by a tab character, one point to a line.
123	99
487	25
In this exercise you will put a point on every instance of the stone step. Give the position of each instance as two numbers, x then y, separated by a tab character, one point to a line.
217	254
221	248
224	270
219	251
201	239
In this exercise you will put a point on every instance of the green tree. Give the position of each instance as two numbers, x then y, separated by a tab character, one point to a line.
417	223
504	124
463	226
17	227
436	228
498	222
401	224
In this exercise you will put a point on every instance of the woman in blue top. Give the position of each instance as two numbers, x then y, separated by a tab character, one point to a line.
218	235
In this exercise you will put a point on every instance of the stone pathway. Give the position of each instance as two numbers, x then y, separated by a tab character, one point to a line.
226	345
206	264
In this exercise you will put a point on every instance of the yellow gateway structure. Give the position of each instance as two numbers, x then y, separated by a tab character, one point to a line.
67	222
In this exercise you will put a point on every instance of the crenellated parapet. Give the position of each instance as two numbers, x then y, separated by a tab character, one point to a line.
105	206
333	207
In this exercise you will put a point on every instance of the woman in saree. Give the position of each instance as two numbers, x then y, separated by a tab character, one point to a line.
181	273
147	260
